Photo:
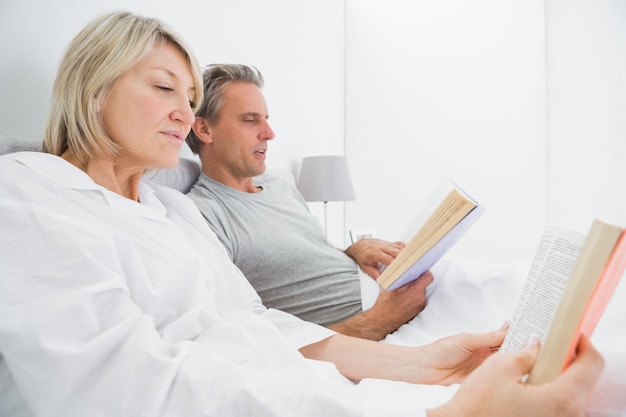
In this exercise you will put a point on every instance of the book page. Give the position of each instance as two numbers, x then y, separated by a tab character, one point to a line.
551	268
435	197
446	216
438	249
454	208
595	252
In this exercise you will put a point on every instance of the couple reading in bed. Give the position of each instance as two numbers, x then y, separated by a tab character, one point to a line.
118	299
268	231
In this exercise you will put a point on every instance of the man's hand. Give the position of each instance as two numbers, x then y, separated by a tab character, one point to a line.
369	253
391	310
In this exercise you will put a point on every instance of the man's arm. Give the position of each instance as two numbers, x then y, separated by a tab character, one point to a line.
391	310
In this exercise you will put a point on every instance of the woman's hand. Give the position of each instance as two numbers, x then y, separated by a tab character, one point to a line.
446	361
495	388
451	359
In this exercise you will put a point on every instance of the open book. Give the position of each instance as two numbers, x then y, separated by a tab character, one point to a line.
571	280
448	214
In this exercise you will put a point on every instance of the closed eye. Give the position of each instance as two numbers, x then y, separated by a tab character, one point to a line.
192	104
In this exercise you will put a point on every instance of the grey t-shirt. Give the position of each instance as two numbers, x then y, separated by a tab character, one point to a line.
280	247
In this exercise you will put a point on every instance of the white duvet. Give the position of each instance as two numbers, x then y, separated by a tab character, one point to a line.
480	297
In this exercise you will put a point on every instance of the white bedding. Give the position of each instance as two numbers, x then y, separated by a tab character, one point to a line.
479	297
465	297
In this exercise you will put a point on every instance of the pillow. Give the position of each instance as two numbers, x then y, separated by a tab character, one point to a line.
181	178
10	144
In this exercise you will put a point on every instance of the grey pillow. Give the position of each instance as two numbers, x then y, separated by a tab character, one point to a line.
10	144
180	178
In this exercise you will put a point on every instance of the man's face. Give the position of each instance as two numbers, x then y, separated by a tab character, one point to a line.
239	138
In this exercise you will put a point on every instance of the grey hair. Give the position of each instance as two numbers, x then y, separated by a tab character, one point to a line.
216	78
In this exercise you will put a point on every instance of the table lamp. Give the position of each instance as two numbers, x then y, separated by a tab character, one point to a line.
325	178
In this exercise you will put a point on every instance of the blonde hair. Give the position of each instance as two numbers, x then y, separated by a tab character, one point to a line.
93	62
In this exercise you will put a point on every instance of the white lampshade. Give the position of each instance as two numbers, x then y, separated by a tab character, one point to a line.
325	178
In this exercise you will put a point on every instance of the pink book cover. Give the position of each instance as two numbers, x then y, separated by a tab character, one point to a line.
601	295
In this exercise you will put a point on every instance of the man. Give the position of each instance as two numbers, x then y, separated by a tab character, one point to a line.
267	228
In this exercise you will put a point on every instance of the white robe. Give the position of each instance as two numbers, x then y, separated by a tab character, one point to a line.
109	307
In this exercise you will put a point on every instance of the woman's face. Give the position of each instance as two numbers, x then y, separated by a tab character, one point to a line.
148	112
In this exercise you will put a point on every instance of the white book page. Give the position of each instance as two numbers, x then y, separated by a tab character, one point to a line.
435	197
550	270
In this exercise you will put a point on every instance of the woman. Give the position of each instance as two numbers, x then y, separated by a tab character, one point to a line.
117	300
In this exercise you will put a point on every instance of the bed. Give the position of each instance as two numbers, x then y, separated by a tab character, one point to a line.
465	297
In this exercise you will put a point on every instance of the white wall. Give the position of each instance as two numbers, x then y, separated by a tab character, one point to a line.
520	101
587	109
297	44
448	89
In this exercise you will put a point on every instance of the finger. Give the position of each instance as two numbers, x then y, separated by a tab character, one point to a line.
420	283
427	276
491	340
389	250
586	368
503	329
384	258
519	363
425	280
371	271
397	247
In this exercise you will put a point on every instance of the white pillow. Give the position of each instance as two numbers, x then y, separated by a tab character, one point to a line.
181	178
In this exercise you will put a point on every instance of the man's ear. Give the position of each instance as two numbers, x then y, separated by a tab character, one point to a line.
202	129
